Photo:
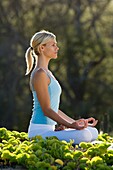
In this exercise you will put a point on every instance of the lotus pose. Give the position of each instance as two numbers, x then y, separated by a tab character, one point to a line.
46	92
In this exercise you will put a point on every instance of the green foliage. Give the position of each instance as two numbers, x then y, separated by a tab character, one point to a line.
52	154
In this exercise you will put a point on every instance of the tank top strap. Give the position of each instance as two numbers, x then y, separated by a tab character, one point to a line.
31	84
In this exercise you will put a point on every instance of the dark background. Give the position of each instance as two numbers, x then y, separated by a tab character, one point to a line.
84	31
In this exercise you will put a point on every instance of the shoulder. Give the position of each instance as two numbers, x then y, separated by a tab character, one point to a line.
39	72
40	75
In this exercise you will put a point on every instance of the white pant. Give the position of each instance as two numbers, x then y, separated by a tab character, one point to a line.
86	135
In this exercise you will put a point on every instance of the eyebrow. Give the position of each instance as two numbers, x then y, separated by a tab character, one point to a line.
54	42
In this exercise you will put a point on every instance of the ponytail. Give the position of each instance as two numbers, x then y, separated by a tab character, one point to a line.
29	60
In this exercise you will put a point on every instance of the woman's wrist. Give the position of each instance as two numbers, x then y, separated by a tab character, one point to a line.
69	125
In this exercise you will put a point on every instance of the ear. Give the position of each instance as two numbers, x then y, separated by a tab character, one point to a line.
41	47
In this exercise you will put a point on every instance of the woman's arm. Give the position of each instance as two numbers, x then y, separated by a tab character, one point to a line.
91	119
40	83
63	115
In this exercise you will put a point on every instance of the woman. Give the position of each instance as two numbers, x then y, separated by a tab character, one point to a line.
46	95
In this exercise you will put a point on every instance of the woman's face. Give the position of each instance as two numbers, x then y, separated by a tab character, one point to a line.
50	49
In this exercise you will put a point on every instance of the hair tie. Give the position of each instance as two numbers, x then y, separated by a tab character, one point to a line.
31	48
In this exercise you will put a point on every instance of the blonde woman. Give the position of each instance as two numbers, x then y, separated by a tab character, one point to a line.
46	92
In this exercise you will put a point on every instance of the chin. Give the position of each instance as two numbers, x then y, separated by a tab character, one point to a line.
55	57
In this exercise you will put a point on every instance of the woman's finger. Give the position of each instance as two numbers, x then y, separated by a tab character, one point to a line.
91	119
83	123
93	124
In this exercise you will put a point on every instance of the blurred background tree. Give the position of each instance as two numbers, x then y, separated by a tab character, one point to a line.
84	68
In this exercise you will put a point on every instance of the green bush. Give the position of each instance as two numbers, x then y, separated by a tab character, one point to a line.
51	154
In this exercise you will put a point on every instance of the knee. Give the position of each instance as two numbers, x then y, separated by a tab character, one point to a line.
94	132
86	136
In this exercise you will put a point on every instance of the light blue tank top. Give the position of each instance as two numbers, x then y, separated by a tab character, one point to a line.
54	89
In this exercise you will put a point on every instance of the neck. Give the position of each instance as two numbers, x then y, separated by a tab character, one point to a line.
42	63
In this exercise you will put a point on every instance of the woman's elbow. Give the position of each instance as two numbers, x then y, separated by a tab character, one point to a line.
46	111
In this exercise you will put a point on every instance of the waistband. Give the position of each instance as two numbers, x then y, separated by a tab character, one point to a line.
40	128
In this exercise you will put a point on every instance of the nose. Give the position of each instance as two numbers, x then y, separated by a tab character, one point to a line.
57	48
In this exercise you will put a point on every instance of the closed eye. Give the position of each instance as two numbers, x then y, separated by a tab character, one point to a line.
55	44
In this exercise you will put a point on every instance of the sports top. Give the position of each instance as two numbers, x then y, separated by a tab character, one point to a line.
54	90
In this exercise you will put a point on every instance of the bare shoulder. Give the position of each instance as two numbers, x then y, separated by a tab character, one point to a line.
40	75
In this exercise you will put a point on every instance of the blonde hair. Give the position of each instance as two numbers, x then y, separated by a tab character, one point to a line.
33	51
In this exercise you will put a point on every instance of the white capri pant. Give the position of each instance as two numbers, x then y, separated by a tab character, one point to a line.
86	135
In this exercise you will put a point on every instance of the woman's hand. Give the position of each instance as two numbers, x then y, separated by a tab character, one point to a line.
93	122
80	124
60	127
